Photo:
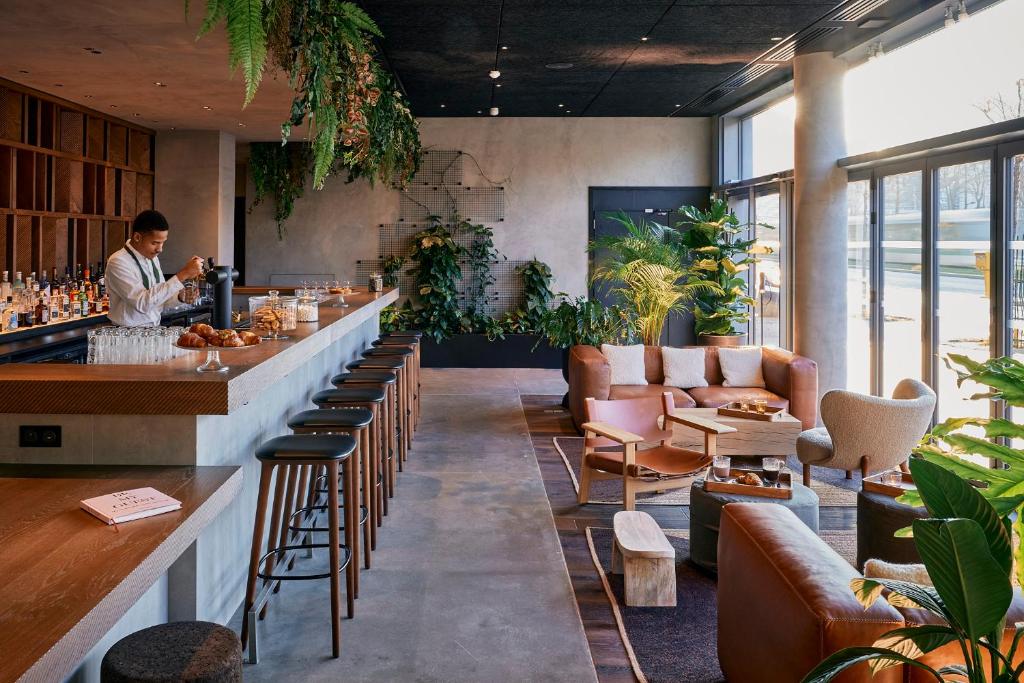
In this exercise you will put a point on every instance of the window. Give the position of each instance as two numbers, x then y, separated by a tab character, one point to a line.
958	78
767	285
771	139
858	286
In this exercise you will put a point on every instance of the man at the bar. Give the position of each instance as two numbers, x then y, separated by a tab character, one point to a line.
135	282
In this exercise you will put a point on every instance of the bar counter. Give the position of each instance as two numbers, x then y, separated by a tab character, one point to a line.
168	414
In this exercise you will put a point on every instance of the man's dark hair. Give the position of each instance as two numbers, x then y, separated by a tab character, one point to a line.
149	221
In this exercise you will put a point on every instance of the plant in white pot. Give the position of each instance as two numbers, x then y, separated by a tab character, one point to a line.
711	240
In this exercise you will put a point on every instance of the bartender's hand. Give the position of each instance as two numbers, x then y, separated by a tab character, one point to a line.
192	269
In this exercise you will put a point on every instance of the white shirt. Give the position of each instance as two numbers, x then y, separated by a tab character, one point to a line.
131	303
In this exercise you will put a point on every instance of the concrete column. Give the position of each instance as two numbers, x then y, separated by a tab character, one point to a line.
819	247
195	189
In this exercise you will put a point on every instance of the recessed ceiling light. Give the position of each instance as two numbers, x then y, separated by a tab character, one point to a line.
58	85
479	111
207	107
22	71
96	52
568	111
89	49
498	85
494	73
494	111
136	114
113	106
160	84
643	39
504	47
241	125
88	97
443	106
172	127
679	105
559	66
776	39
561	105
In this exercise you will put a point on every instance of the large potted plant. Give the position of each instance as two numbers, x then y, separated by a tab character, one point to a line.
646	273
711	239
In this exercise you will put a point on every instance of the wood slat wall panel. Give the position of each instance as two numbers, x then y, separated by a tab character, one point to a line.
89	188
117	144
95	251
60	246
42	198
139	150
22	245
128	198
6	177
10	114
117	235
144	194
24	180
68	179
109	191
94	138
72	131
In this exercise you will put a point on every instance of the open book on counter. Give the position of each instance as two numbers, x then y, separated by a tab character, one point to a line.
125	506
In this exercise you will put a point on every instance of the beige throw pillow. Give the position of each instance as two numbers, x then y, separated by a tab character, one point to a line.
684	368
880	569
741	367
626	362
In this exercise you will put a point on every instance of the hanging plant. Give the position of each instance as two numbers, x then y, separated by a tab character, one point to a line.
280	171
325	47
436	255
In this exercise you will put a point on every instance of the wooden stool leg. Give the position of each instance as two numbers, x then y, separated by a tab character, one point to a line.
275	522
266	472
287	511
407	412
333	542
367	497
302	491
351	489
350	582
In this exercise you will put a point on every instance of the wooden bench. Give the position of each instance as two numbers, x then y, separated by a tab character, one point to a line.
646	559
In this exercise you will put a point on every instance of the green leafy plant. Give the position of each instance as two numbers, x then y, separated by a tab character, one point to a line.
948	443
397	318
437	271
647	269
537	295
280	171
479	257
585	321
716	255
392	267
356	118
966	547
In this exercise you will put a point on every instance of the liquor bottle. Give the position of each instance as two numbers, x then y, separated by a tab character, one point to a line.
27	314
65	303
44	284
83	303
87	273
42	311
10	315
106	303
78	272
5	287
67	276
18	284
55	305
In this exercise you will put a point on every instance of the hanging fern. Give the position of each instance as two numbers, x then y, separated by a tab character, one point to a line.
281	171
357	120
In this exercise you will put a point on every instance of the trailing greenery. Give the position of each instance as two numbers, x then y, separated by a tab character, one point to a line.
356	118
948	443
966	546
280	171
537	295
437	271
480	255
392	266
652	283
397	318
717	256
585	321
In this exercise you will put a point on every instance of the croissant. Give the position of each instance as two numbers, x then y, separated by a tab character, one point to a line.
249	338
191	340
233	342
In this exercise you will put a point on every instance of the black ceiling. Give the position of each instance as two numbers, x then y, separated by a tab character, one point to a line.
442	51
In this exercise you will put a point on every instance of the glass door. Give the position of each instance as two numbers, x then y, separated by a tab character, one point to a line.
767	286
963	279
858	287
902	278
1015	231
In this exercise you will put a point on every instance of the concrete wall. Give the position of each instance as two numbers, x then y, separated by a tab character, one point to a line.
195	189
546	166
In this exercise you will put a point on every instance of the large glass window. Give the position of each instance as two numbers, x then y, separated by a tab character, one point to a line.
771	138
858	286
767	287
964	278
955	79
901	258
1016	256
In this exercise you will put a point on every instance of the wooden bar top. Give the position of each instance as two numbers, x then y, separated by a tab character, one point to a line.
67	576
174	387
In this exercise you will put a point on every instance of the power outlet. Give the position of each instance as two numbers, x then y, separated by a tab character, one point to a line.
39	436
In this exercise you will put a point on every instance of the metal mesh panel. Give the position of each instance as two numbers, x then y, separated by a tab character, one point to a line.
438	167
479	204
366	268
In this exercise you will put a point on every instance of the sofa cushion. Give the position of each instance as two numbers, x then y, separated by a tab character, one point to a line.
626	363
741	367
621	391
717	396
684	368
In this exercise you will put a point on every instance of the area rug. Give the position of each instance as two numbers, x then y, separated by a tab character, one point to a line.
676	644
832	487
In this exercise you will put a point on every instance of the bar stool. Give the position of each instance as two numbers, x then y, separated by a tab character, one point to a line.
408	354
398	365
355	422
283	453
406	339
388	380
206	651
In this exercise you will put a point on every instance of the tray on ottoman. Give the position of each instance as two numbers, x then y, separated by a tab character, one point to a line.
783	490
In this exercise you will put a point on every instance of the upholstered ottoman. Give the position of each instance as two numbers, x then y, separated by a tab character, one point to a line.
879	517
706	510
182	651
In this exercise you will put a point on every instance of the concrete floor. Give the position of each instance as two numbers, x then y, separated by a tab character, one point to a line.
468	582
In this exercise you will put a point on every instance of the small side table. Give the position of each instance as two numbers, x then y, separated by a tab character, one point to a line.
706	511
879	517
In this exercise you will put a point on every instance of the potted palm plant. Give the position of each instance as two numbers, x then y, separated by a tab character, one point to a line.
716	254
646	271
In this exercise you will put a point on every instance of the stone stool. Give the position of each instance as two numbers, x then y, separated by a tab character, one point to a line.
706	510
192	651
356	422
330	452
646	560
389	431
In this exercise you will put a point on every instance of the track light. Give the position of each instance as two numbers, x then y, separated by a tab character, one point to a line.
494	111
494	73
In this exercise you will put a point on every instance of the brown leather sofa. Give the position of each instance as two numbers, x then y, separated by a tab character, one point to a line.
784	603
791	383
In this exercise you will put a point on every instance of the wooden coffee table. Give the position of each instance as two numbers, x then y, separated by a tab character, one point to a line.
752	438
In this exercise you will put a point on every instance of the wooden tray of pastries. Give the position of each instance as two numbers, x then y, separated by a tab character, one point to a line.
734	409
202	336
749	483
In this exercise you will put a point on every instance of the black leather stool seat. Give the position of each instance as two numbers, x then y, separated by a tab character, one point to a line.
307	446
395	341
194	651
350	418
389	351
415	334
350	394
382	363
365	377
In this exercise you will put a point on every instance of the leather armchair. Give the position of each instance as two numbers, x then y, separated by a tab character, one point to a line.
791	382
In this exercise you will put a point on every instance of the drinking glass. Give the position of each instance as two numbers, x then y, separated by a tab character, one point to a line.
892	477
720	466
90	357
772	469
760	405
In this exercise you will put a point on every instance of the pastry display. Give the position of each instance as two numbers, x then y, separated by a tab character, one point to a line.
192	340
201	336
749	479
272	314
249	338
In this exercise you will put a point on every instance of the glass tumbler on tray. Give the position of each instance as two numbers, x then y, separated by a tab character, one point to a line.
772	468
720	465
